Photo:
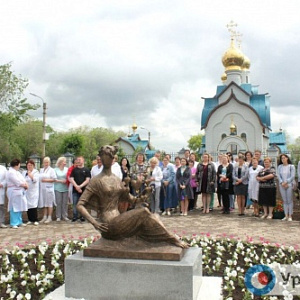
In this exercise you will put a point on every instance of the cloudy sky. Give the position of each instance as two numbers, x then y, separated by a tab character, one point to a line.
106	63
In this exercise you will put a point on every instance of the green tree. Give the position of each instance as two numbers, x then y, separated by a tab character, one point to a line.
295	150
12	100
194	143
72	143
121	153
13	110
29	137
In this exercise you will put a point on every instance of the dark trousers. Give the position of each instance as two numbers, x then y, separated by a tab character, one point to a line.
32	214
219	198
226	201
193	202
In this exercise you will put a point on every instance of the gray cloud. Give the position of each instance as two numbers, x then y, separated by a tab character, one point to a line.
138	58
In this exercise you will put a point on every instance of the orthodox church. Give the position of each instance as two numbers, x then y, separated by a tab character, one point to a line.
133	141
237	118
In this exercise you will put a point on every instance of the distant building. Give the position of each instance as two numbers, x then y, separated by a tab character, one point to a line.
130	143
181	152
237	117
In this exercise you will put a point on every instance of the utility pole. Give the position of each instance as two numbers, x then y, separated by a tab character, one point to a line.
44	123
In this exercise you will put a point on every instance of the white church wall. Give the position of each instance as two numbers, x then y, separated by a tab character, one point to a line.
238	93
244	118
128	149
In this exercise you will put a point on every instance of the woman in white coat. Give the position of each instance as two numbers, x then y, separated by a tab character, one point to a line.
253	185
2	195
32	194
156	177
16	187
47	196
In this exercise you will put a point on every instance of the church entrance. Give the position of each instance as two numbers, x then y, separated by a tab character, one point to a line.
233	144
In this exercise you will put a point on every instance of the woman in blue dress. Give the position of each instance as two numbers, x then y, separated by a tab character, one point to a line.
167	187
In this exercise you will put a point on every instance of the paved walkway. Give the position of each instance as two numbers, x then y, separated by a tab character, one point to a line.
214	224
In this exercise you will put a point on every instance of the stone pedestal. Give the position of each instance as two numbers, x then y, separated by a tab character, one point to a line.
115	279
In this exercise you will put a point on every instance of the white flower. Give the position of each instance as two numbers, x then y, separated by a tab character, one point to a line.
12	294
42	269
9	277
31	252
41	290
27	296
24	282
20	297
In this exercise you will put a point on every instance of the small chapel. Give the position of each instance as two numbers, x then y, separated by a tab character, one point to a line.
237	118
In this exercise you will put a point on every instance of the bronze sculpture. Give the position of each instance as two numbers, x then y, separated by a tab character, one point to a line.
103	195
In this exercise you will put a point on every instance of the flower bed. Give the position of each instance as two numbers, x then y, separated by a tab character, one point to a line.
33	273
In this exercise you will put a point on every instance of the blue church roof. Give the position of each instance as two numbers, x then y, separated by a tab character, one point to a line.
209	105
136	141
260	103
278	138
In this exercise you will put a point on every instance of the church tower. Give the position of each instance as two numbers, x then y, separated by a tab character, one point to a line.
237	118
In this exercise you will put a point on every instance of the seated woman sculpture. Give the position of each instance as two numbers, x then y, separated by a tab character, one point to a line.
103	194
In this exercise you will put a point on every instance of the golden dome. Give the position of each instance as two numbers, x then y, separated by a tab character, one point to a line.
134	127
233	58
224	77
246	64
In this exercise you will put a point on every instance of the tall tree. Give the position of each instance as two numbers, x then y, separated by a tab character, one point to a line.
295	150
194	142
29	137
13	110
12	100
72	143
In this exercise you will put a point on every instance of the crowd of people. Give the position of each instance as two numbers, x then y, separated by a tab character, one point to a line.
247	181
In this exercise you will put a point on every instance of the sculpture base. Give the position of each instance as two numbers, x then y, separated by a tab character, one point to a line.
133	248
115	279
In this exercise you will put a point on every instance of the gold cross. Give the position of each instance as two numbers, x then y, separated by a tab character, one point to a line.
231	25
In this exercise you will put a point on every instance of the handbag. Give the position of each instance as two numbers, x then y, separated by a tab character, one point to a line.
224	185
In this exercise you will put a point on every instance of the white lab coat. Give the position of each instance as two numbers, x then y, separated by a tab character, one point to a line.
32	194
253	184
47	196
116	169
157	175
16	194
3	172
96	170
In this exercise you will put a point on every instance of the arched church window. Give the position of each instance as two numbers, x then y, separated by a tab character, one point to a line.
223	136
244	137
